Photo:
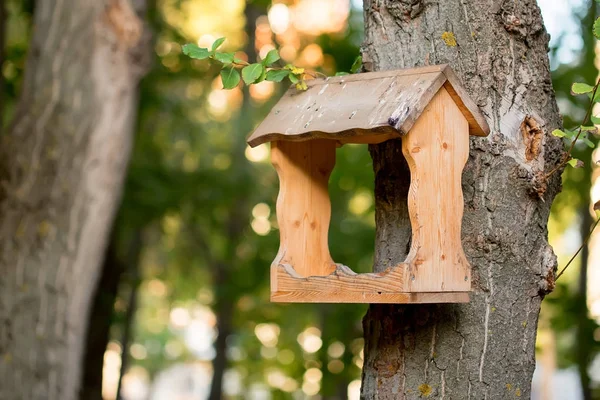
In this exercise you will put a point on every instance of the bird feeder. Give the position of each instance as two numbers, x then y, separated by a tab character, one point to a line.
430	111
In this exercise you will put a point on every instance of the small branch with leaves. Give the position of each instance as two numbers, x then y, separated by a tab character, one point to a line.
582	132
251	73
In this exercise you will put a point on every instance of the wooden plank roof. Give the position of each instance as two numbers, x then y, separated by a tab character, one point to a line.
348	108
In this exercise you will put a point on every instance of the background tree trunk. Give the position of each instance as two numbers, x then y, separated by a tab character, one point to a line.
585	327
484	349
223	269
100	320
62	164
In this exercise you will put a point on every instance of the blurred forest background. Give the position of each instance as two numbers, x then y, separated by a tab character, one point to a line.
182	310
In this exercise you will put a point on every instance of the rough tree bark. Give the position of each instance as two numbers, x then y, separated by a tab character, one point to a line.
484	349
62	164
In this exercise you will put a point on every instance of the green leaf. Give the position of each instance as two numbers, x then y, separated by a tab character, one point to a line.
596	97
559	133
589	128
230	77
581	88
597	28
595	120
262	76
570	134
277	75
217	43
588	142
271	57
238	60
341	73
225	58
357	65
252	72
193	51
575	163
293	78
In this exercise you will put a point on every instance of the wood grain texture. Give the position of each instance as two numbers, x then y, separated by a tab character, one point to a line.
437	149
303	204
358	108
465	103
307	296
345	286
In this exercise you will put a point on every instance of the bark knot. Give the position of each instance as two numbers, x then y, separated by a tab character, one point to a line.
124	22
405	10
533	137
513	24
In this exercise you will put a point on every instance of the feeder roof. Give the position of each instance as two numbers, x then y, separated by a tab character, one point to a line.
373	106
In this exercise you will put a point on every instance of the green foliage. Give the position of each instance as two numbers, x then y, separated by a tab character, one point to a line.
272	56
559	133
230	77
356	66
597	28
257	72
217	44
225	58
252	73
277	75
588	142
193	51
581	132
293	78
581	88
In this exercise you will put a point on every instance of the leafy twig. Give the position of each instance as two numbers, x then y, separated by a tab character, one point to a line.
251	73
592	91
578	88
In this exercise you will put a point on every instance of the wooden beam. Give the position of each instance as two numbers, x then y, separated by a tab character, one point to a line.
345	286
303	204
437	149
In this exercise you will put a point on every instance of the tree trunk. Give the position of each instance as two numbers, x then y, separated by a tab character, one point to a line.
224	310
62	164
222	269
100	321
127	336
484	349
3	31
585	328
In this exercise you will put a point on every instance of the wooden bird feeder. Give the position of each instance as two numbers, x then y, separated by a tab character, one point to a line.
426	107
